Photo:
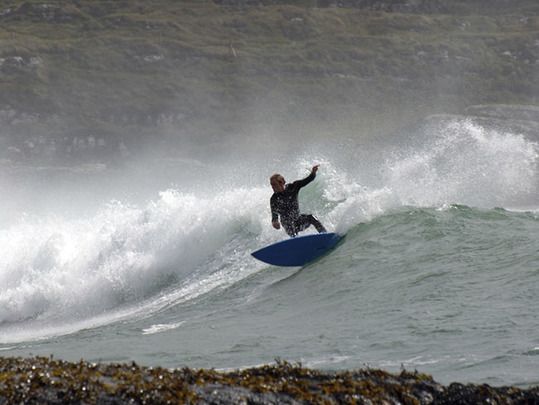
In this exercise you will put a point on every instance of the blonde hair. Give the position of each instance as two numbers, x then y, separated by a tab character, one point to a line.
276	178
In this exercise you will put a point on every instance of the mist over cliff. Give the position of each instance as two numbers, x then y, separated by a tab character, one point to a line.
87	81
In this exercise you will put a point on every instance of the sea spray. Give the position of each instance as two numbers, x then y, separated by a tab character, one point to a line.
465	163
65	270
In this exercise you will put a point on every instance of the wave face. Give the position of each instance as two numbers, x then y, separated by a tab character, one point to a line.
438	270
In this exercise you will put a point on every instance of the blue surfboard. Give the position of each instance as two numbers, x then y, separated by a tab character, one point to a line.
297	251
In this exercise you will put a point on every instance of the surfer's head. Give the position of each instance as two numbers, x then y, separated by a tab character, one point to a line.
277	183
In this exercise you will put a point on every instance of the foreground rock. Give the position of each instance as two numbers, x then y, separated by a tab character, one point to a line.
47	381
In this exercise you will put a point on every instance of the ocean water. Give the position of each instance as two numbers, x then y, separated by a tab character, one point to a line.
438	271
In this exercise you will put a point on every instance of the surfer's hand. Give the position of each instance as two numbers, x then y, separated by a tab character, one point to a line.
314	169
276	224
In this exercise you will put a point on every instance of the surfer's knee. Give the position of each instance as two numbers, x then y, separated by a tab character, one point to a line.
317	224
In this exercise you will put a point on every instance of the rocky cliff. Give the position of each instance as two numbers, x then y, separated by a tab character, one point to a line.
86	80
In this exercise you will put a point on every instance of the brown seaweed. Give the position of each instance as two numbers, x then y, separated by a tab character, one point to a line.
41	380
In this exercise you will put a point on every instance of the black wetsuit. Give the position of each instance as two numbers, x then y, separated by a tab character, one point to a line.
285	204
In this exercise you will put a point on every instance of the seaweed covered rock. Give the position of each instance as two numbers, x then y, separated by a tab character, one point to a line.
47	381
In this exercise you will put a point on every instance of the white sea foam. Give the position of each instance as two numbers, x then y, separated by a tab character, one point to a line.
105	268
460	163
467	164
161	327
463	163
414	361
325	362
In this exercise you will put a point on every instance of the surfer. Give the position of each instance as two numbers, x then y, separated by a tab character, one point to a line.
284	203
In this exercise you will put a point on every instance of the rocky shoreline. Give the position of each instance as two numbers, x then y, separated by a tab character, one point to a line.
41	380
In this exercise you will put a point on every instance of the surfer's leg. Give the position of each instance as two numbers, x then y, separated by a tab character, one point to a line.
290	228
291	232
319	227
304	221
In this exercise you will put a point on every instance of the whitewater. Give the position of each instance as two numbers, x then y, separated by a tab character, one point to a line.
439	269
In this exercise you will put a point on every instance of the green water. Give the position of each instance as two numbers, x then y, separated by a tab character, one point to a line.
430	275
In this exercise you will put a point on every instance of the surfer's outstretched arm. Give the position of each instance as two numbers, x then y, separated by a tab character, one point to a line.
302	183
